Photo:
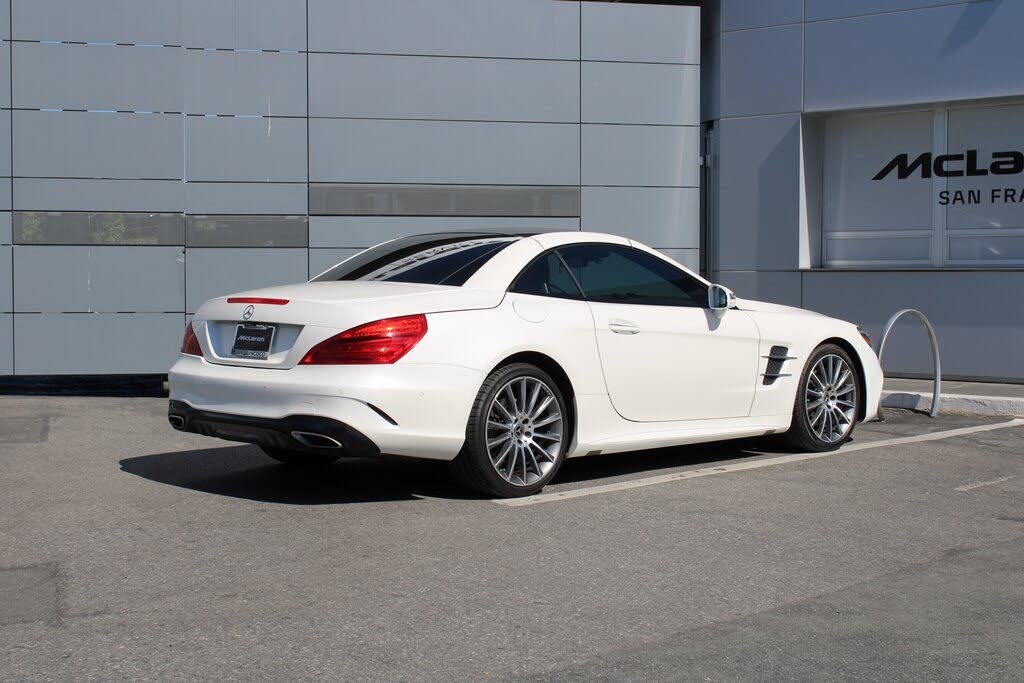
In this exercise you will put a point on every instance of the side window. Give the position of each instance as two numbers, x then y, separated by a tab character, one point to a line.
623	275
547	276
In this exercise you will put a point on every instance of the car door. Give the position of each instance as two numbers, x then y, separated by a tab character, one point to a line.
665	355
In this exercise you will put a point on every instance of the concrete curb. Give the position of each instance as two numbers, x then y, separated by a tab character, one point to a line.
961	404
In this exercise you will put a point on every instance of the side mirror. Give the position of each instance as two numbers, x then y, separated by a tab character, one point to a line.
720	298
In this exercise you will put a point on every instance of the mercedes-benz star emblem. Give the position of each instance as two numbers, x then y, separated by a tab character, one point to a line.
247	313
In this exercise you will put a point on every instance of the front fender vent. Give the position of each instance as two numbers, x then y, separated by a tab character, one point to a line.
777	357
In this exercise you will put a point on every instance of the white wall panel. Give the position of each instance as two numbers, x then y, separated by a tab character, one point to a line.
368	231
5	71
641	93
137	343
443	152
246	198
736	15
5	149
761	71
6	344
106	77
661	217
220	271
92	145
5	19
245	82
641	33
244	149
5	227
758	198
476	28
6	283
153	22
443	88
79	194
686	257
975	340
244	24
817	10
774	287
322	259
934	55
641	155
58	279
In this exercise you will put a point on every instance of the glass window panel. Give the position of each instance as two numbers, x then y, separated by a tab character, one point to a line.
880	249
247	231
856	149
994	248
444	200
990	200
79	227
442	259
547	276
619	274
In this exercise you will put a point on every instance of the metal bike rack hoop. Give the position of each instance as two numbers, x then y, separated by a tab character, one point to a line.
935	349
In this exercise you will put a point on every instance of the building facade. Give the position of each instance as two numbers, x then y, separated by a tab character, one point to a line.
869	156
853	158
156	153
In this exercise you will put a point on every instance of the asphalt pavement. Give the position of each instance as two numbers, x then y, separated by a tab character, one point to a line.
130	551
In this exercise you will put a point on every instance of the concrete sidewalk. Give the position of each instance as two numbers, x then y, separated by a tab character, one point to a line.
967	398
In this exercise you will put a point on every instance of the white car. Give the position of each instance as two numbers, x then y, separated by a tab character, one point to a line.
507	354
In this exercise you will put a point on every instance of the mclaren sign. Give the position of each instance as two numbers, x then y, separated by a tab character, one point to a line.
967	164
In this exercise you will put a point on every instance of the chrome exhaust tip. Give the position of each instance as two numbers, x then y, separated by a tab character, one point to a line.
314	440
177	421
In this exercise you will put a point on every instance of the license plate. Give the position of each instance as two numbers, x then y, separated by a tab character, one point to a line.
252	340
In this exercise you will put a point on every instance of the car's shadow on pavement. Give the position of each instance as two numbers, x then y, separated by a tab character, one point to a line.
245	472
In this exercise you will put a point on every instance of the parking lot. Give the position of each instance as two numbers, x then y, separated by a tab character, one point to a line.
128	550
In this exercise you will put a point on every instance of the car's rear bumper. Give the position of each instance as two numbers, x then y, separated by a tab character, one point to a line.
309	433
417	410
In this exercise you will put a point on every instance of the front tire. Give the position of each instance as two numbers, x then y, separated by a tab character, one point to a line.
827	399
517	434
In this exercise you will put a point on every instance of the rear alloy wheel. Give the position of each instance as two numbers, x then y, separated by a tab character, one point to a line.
825	410
299	458
515	439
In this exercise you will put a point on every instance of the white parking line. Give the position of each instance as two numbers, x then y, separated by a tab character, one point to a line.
979	484
748	465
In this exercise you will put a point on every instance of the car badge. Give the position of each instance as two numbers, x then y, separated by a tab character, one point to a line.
247	313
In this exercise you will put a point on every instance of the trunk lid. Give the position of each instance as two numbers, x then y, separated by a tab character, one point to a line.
318	310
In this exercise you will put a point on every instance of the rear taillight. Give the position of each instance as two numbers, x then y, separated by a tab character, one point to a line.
379	342
190	344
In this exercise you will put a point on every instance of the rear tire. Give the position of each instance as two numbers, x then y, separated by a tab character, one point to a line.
299	458
827	401
517	434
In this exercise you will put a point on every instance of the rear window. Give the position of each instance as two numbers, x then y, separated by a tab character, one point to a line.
448	259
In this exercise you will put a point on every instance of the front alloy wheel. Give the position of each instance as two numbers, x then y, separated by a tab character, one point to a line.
825	409
516	434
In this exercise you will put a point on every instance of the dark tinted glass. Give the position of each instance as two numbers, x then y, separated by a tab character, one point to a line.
425	259
547	276
624	275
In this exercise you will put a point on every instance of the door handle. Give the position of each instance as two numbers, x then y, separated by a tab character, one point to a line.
622	327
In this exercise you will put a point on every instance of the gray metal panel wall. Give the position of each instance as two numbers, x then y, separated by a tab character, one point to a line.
769	72
164	151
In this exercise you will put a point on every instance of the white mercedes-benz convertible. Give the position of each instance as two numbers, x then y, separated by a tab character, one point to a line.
507	354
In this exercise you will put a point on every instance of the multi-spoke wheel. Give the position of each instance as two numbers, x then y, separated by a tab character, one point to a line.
825	410
516	436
